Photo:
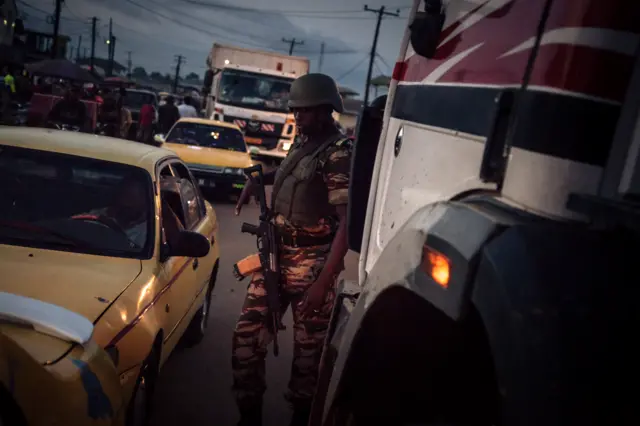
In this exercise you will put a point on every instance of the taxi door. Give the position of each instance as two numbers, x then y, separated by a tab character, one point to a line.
197	221
179	272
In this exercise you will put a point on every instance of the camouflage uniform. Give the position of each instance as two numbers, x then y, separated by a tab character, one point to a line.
300	268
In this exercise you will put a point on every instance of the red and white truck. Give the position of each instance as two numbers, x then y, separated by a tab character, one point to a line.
498	280
251	88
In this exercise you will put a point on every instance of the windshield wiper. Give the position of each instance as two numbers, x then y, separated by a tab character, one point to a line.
25	226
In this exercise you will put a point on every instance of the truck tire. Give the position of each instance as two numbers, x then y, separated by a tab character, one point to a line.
10	412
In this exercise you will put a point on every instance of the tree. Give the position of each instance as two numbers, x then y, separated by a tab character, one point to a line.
192	76
139	72
156	76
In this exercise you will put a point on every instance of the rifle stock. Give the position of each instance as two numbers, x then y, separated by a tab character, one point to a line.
267	237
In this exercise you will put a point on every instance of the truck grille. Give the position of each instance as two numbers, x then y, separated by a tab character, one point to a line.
256	128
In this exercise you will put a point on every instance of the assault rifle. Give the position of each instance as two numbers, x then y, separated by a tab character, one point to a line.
267	236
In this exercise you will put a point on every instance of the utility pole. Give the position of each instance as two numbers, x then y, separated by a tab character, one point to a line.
113	53
129	63
110	48
179	59
292	44
78	49
321	57
381	13
56	29
94	21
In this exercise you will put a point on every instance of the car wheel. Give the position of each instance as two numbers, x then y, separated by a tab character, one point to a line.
139	409
196	330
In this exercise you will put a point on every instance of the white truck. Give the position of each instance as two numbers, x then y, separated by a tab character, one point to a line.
498	280
251	88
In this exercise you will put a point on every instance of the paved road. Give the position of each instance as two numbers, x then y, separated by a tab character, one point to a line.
194	386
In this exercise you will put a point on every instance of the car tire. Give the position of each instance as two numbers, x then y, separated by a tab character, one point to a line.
140	407
198	325
10	413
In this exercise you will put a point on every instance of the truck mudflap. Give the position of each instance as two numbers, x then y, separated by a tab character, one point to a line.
348	292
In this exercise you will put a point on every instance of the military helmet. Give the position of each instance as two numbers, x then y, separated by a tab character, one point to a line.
312	90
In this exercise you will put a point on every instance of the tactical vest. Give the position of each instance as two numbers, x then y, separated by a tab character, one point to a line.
299	191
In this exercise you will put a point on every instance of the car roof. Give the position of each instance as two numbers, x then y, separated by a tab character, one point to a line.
85	145
210	122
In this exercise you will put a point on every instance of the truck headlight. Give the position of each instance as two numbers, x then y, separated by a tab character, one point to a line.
286	146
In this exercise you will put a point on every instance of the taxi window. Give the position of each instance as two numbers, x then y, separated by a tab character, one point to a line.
71	203
207	135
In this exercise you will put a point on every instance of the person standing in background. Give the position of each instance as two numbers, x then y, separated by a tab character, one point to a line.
145	123
168	115
187	110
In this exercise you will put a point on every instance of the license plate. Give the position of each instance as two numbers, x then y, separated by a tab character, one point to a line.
255	141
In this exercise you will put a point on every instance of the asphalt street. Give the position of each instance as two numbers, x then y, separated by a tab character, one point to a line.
195	384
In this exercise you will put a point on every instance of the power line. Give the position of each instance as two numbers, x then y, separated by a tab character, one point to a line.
352	69
284	12
45	12
209	33
208	23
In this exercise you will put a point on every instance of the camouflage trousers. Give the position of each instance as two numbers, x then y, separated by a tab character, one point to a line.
300	268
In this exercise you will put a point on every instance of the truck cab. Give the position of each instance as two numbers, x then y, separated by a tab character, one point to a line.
250	88
496	271
255	100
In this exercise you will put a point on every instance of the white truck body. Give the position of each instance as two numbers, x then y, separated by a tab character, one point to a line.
250	88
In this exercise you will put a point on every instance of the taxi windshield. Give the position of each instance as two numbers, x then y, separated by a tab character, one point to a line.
70	203
208	136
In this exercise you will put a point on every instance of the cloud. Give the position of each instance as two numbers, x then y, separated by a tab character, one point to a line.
157	30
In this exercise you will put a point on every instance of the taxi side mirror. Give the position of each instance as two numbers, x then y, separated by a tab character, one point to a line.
186	244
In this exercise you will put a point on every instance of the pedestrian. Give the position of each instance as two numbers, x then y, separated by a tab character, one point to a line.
168	114
187	109
309	200
145	123
126	121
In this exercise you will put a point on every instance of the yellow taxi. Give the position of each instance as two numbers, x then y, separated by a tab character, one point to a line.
115	231
38	386
215	152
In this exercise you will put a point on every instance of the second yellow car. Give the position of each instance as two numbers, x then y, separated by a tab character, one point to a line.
215	152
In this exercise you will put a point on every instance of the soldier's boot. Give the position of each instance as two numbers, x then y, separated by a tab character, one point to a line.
250	413
301	413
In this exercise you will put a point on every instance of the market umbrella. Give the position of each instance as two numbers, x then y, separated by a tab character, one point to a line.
61	68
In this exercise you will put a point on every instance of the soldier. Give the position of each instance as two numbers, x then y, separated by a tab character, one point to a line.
309	199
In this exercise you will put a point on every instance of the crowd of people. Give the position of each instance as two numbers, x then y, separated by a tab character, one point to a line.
112	116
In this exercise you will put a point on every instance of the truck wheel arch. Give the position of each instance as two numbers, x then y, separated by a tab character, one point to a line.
393	359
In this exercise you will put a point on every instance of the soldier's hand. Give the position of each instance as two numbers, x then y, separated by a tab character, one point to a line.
314	298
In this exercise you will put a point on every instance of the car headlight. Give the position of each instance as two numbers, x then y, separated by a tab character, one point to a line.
233	171
286	146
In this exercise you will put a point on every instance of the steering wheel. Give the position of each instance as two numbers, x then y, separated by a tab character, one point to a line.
104	221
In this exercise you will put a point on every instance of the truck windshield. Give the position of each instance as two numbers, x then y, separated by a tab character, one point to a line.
207	135
253	90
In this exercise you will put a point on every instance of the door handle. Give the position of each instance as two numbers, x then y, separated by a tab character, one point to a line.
195	264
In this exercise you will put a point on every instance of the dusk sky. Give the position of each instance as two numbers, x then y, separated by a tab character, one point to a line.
157	30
